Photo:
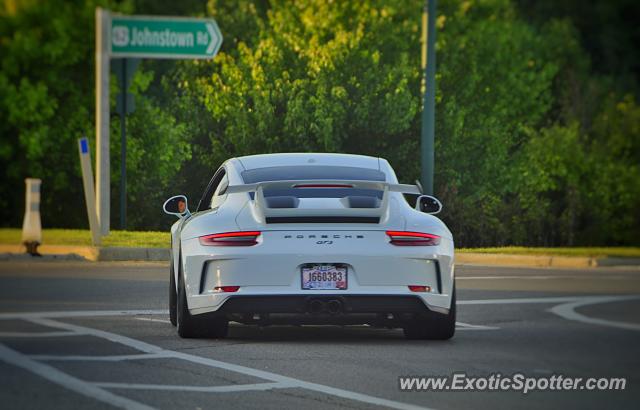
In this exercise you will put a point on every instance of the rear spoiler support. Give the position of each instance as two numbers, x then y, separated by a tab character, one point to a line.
267	212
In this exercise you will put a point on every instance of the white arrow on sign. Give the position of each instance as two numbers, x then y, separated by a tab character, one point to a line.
213	38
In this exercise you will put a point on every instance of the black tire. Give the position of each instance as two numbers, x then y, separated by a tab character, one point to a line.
435	326
173	297
204	325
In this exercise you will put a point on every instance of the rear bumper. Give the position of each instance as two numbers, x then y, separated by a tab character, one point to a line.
301	304
380	310
376	270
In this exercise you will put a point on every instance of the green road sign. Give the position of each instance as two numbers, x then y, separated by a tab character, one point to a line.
163	37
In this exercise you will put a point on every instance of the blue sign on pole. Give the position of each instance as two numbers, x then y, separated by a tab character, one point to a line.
84	145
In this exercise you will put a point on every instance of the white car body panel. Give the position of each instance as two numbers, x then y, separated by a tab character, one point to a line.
272	267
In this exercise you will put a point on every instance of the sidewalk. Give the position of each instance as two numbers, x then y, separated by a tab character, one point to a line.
90	253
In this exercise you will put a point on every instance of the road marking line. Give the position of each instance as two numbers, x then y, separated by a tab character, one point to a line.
273	377
81	313
152	312
474	329
113	358
567	311
65	380
153	320
203	389
468	326
38	334
524	300
541	277
528	277
113	337
346	394
465	326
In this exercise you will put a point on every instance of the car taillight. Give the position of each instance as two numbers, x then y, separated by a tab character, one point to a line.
222	289
248	238
419	288
323	186
404	238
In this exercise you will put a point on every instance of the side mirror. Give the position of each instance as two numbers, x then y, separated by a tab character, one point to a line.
428	204
177	205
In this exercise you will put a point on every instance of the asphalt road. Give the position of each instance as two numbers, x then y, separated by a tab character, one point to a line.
96	335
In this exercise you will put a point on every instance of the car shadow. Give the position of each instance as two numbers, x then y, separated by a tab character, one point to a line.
316	333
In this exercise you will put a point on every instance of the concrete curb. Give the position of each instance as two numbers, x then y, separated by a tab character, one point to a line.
538	261
90	253
541	261
62	252
133	254
618	262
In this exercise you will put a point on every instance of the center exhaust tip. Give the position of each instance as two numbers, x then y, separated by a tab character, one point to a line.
316	306
334	306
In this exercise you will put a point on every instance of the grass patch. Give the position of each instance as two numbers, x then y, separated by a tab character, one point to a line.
623	252
81	237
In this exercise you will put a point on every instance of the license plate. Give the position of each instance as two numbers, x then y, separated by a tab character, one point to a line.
324	277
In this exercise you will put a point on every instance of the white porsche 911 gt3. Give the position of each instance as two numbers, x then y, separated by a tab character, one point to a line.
310	239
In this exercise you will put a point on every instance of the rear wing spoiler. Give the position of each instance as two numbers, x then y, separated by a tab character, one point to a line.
376	185
271	213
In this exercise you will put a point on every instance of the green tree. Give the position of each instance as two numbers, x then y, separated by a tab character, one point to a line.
310	76
537	117
46	104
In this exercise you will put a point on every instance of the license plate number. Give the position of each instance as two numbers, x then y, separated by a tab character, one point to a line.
324	277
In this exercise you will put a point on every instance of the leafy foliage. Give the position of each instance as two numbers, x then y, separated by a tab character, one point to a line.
535	145
46	104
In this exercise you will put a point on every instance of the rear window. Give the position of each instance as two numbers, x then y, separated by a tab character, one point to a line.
314	172
252	176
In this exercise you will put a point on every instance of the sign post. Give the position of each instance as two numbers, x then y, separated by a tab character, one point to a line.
103	177
121	36
429	103
125	105
87	184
